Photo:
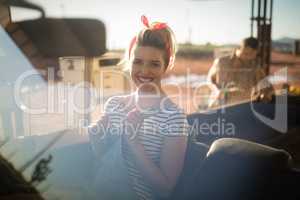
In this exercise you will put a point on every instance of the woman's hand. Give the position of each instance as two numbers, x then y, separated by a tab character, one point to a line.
133	123
135	117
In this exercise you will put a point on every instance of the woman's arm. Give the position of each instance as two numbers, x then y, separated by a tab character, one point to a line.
162	178
99	136
98	133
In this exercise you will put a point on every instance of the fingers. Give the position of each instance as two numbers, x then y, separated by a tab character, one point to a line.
132	124
134	116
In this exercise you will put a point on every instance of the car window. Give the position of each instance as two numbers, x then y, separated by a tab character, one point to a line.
44	92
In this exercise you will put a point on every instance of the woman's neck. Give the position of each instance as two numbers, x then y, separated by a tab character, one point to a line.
148	100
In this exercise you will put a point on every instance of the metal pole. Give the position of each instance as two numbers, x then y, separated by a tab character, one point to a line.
271	11
265	12
270	24
264	36
87	82
259	34
258	14
252	17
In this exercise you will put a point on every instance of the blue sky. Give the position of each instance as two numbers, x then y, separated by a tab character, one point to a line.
200	21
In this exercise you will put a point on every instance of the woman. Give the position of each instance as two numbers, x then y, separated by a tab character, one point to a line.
150	128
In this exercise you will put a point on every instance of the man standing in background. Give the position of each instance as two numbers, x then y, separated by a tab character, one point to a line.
237	76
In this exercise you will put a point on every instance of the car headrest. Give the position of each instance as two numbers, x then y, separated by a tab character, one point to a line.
248	154
239	169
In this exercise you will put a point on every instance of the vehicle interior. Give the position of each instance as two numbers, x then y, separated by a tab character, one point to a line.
44	58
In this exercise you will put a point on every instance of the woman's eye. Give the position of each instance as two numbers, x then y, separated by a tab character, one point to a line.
135	61
155	64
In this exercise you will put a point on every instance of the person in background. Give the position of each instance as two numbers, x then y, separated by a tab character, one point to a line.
145	133
237	76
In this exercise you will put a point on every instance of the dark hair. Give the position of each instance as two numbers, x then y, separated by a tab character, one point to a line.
250	42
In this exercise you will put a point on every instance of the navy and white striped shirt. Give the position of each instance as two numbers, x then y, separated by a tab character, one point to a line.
167	121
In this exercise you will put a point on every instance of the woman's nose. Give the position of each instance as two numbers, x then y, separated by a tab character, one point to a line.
145	68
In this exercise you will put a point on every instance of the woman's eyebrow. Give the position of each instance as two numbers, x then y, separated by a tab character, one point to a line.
152	61
155	61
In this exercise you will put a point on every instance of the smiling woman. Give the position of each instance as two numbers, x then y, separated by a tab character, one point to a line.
150	53
152	130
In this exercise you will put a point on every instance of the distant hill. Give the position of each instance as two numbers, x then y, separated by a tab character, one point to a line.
287	40
195	51
284	44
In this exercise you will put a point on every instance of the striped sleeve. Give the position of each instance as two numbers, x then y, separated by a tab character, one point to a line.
99	133
111	104
177	124
109	107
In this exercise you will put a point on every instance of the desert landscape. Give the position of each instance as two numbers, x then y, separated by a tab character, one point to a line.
182	90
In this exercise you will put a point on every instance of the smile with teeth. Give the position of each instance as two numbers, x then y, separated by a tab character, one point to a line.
144	79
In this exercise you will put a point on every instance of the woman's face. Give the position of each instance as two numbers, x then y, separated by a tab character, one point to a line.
147	68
